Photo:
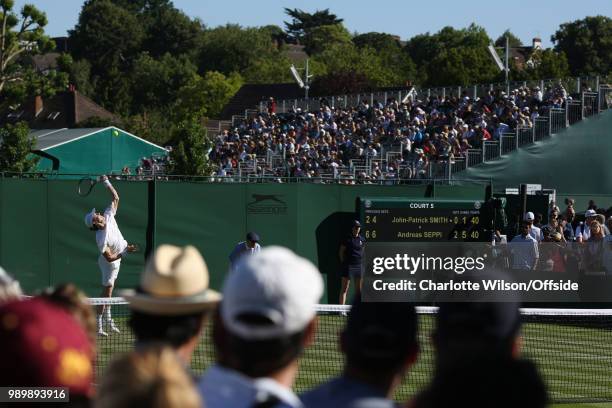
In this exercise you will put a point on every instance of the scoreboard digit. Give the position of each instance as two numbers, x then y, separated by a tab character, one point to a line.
406	220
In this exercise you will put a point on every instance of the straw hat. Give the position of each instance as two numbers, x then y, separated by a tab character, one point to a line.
174	282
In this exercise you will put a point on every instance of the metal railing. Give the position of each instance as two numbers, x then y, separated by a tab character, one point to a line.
590	104
507	143
541	128
490	150
558	120
525	136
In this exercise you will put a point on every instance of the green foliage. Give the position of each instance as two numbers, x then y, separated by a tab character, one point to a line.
274	69
548	64
318	39
587	43
302	22
15	147
106	35
156	83
190	156
153	126
378	41
453	57
21	35
232	48
79	73
205	96
513	40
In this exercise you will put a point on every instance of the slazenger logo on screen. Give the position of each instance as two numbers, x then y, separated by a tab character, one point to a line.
267	204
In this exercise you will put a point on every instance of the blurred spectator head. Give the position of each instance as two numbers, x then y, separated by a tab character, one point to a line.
151	377
9	287
483	382
173	300
474	328
74	301
380	339
42	345
267	315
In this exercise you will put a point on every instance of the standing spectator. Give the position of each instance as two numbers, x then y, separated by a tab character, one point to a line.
173	300
250	246
583	230
534	230
271	105
524	250
351	255
380	344
150	377
266	319
9	287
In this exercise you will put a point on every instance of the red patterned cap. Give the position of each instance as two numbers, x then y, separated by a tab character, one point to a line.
42	345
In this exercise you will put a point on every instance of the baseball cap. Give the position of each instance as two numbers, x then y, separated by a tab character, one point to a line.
274	284
252	236
89	218
492	322
381	331
590	213
356	223
42	345
529	216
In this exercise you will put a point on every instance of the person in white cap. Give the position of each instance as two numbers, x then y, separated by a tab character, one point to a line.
534	231
266	319
9	287
113	247
583	230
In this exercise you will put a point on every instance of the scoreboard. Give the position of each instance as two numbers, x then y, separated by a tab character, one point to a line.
407	220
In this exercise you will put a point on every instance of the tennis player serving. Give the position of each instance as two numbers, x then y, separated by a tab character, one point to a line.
113	247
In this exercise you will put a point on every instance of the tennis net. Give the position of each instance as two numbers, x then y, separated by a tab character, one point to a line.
572	348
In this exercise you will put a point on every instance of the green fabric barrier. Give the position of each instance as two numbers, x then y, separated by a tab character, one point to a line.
577	159
44	241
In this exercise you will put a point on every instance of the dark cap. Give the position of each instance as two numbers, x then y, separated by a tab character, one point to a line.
252	236
356	223
380	334
478	322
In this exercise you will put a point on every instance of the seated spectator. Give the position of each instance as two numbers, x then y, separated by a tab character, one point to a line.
42	345
266	319
173	301
9	287
583	230
380	344
149	377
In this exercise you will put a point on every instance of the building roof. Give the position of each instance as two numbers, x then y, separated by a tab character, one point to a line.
63	110
50	138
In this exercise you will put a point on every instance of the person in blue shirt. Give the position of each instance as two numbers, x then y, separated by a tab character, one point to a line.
250	246
380	344
351	254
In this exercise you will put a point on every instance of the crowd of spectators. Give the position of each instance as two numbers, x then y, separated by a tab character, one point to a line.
335	141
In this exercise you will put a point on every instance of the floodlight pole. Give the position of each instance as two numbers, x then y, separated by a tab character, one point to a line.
507	70
307	82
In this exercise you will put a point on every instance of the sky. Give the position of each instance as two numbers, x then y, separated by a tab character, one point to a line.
406	18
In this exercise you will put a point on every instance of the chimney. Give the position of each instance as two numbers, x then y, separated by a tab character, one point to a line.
36	106
537	43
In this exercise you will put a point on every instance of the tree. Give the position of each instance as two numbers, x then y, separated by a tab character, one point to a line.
190	155
587	43
302	22
16	146
19	36
318	39
106	35
205	96
232	48
169	31
548	64
453	57
513	40
378	41
156	83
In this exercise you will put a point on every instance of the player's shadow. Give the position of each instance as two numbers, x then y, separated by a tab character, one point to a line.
329	234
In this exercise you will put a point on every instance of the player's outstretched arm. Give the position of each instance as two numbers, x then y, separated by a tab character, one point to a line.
112	191
110	257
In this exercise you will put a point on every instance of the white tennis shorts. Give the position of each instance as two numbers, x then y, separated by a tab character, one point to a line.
110	270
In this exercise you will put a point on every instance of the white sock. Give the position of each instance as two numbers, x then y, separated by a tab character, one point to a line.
100	320
108	313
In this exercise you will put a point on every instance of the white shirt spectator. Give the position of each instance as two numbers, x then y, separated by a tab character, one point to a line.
583	231
221	387
536	233
524	252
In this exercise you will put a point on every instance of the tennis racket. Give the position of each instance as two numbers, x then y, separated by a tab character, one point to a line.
86	184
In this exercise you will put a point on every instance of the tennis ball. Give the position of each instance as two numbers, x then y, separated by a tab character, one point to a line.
115	132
